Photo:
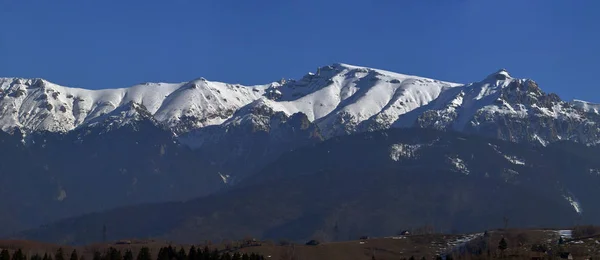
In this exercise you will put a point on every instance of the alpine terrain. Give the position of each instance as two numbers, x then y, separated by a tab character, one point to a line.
194	149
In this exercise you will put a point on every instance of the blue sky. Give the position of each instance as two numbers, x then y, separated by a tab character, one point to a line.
109	44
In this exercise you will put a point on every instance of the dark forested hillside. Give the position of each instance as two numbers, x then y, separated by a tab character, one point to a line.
49	176
373	184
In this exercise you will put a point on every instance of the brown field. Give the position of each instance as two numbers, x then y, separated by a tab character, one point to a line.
519	247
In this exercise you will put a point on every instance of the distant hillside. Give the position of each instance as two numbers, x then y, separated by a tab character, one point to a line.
374	184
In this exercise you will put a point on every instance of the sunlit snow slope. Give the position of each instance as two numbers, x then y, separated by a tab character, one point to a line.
37	105
339	99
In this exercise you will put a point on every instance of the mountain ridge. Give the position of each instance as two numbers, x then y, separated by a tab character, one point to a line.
339	98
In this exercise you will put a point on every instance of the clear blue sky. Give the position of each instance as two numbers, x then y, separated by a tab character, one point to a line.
109	44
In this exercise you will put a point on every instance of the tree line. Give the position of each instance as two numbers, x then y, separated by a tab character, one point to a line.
165	253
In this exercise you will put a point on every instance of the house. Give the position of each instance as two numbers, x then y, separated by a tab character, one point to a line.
405	233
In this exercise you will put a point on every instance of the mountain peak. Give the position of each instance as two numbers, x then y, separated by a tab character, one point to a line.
501	74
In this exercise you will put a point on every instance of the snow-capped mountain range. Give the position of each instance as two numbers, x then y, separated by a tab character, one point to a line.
339	99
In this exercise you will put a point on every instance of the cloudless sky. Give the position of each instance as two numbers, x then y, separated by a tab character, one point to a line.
109	43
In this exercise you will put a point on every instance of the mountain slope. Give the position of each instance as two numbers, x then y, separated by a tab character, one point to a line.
55	176
38	105
339	99
373	184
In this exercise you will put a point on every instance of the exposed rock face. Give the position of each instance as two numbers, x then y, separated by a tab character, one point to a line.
511	109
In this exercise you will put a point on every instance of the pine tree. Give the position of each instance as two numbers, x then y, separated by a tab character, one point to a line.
128	255
245	257
114	254
97	256
215	254
236	256
4	255
226	256
35	257
74	255
18	255
144	254
181	255
163	254
206	253
60	255
171	252
192	253
502	245
47	257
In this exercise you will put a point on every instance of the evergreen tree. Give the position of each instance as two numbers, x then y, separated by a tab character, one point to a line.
97	256
181	255
226	256
245	257
74	255
206	253
192	253
47	257
113	254
215	254
4	255
236	256
144	254
82	257
128	255
35	257
163	254
60	255
18	255
172	252
502	245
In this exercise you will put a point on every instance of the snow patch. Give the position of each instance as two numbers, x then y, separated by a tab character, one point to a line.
225	178
62	194
568	234
586	106
399	151
459	243
459	165
540	140
574	202
514	160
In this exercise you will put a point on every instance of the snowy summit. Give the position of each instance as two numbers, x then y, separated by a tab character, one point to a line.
339	99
